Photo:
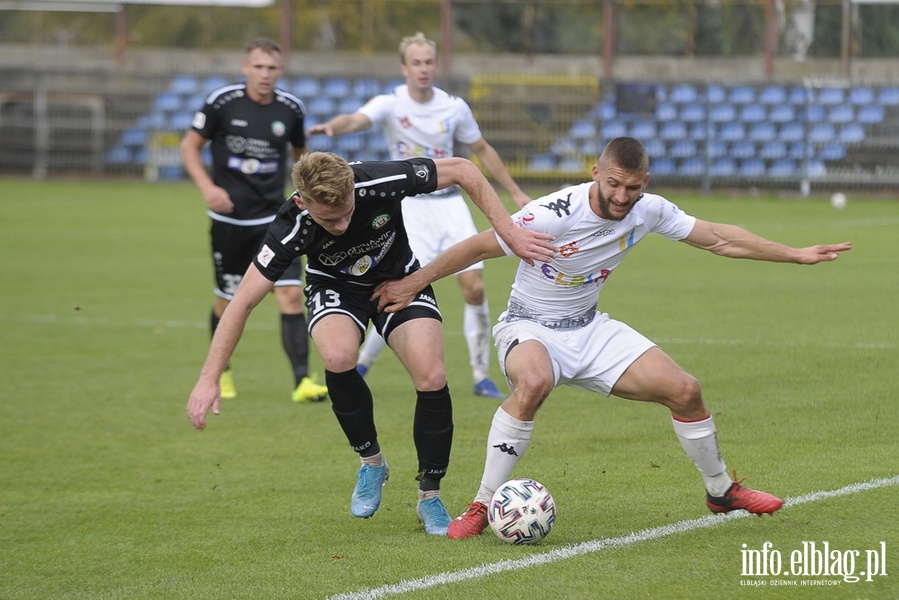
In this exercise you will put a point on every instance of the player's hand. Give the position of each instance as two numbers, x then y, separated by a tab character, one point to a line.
218	200
529	245
203	397
322	128
822	253
395	295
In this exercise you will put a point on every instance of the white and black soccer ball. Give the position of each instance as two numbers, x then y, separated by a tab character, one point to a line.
522	511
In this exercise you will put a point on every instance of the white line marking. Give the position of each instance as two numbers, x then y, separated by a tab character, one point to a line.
595	546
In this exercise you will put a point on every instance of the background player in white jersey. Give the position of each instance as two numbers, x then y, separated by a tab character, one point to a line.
551	334
249	127
347	221
422	120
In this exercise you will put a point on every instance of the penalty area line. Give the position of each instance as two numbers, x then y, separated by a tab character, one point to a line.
592	546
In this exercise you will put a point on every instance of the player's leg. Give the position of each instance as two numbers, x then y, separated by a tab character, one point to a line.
230	261
529	369
337	318
476	326
656	377
416	336
295	334
370	350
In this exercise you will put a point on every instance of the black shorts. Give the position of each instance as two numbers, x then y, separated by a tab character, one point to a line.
233	249
331	296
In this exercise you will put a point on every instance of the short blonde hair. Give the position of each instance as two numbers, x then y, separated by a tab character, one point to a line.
418	38
266	45
323	178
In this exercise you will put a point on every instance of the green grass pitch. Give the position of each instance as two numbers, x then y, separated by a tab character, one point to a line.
106	491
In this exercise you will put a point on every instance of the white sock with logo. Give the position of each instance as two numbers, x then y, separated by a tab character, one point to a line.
476	325
506	444
700	441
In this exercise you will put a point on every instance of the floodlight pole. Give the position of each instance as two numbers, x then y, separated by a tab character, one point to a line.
446	42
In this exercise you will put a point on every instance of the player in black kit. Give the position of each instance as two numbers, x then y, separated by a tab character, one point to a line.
249	127
347	220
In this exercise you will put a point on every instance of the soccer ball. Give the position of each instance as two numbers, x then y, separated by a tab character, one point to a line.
838	200
522	511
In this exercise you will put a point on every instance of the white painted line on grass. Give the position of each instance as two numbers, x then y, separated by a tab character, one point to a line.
592	546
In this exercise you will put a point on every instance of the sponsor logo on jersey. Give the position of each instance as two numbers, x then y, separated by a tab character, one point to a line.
265	255
559	206
199	120
569	249
239	123
361	266
405	122
236	144
566	280
380	221
279	128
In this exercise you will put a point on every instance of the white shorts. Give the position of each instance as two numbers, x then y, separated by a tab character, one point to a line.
590	358
435	224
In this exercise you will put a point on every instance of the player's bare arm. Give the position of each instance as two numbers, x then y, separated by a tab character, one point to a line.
206	393
526	244
395	295
342	124
732	241
216	198
491	160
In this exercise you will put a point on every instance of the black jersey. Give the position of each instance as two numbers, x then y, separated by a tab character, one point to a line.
249	143
375	246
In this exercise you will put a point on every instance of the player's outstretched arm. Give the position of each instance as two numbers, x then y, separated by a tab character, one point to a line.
526	244
206	393
342	124
395	295
735	242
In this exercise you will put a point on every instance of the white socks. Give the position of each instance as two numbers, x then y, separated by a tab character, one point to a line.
506	443
373	345
700	442
476	325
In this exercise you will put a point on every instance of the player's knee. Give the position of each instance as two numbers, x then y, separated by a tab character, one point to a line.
686	395
431	379
533	387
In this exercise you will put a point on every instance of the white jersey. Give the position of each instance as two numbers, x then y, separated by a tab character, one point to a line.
422	129
567	289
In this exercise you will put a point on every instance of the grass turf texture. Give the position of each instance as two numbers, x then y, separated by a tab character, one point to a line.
107	492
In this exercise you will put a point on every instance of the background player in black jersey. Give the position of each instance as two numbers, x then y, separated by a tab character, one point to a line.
249	127
347	220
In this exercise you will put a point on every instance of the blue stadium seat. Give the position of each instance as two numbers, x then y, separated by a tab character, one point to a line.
151	120
673	130
168	102
752	167
723	113
724	167
782	113
832	151
772	95
682	149
644	130
762	132
715	94
306	88
337	87
571	165
742	149
582	130
852	133
213	82
692	167
541	163
841	113
732	131
830	96
184	85
666	112
784	167
815	168
322	106
716	149
741	94
662	167
604	111
692	113
861	96
683	93
870	114
799	95
321	143
792	132
119	155
135	137
815	113
655	148
702	131
753	113
350	104
799	150
180	121
366	88
888	96
821	133
612	129
390	86
773	149
350	144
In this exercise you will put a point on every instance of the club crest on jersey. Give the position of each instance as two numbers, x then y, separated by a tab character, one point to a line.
279	128
405	123
422	171
380	221
361	266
